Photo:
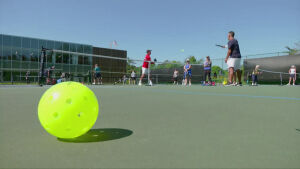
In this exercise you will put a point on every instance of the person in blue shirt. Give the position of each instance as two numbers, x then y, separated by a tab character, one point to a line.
207	70
97	75
187	72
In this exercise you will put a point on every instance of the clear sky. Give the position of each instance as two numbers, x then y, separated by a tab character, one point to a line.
165	26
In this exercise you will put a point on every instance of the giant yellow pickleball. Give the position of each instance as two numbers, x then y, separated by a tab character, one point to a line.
68	110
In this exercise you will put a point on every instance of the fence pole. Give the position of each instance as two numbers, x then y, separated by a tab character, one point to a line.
280	79
149	65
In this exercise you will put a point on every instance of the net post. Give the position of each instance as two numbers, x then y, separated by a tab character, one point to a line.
41	67
280	79
149	72
245	66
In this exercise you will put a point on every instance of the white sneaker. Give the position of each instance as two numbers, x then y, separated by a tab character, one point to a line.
150	83
94	83
229	84
140	83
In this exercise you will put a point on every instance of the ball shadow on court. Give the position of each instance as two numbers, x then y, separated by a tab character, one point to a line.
99	135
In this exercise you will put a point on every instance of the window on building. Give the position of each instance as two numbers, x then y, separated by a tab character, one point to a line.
34	55
16	53
6	41
34	44
1	56
58	55
25	43
42	43
25	54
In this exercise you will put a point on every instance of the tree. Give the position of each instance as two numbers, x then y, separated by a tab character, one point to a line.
131	66
166	65
193	60
216	69
293	51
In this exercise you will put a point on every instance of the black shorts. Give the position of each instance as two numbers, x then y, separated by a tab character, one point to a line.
97	75
133	78
175	79
292	75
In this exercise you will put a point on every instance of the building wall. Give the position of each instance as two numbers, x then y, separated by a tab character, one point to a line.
21	54
111	69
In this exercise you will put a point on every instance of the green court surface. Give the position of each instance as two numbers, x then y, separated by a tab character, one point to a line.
160	127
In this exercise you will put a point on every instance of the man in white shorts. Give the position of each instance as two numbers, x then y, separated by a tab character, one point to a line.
145	68
233	59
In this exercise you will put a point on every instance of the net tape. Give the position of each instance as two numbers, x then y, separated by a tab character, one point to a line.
110	57
269	71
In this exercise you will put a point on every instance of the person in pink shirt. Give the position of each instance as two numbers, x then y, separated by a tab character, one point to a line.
145	68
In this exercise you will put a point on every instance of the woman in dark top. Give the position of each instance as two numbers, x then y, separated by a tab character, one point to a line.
207	69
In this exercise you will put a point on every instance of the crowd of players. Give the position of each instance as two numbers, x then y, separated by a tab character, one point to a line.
233	61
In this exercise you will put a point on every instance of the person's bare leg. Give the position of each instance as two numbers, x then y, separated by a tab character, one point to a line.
239	75
141	78
290	81
234	77
190	81
150	81
230	76
294	80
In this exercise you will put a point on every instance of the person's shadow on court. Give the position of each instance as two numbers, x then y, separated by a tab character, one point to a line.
98	135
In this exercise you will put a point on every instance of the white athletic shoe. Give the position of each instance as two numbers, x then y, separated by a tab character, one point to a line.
150	83
94	83
140	83
229	84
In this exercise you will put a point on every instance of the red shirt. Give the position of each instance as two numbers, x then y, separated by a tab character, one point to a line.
147	58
